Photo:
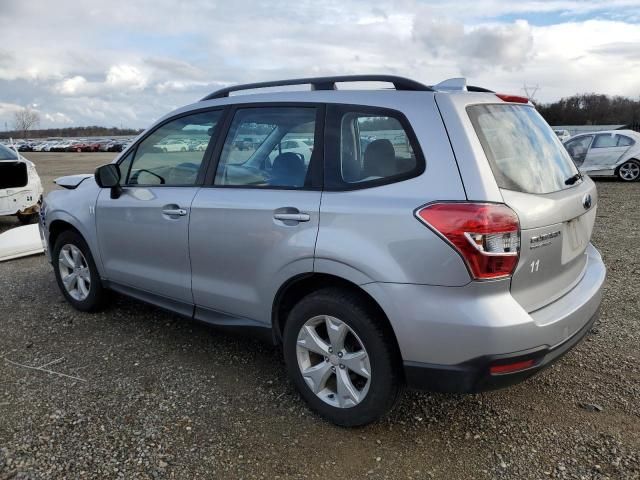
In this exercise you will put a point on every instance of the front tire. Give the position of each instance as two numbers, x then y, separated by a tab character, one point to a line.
629	171
341	358
76	273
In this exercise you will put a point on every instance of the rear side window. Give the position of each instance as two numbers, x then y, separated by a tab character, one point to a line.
624	141
605	140
374	147
524	153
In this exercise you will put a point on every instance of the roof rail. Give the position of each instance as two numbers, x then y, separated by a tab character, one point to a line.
324	83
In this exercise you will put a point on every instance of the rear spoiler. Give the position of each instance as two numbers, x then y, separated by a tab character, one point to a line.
71	182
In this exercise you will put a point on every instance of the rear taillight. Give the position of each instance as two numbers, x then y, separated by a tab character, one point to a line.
486	235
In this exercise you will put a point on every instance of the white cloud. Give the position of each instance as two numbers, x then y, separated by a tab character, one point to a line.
126	76
131	62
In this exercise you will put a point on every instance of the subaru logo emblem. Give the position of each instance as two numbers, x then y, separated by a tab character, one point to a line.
586	201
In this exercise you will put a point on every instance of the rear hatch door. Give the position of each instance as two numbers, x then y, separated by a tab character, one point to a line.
538	180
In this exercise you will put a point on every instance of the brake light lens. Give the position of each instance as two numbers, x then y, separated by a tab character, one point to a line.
505	97
486	235
500	369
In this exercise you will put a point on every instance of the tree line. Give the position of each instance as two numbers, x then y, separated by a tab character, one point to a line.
591	109
91	131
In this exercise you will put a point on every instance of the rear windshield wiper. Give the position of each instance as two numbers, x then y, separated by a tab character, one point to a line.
573	179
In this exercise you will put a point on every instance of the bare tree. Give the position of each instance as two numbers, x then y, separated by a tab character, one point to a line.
24	120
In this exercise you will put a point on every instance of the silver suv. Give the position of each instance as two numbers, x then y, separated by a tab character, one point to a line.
434	237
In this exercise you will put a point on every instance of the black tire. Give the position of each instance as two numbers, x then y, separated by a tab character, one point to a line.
96	299
632	162
28	219
385	382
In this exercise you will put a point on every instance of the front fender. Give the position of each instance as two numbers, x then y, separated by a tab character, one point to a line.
76	208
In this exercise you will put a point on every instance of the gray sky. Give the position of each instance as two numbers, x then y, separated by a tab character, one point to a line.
127	62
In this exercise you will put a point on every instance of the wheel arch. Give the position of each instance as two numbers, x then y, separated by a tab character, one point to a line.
57	227
294	289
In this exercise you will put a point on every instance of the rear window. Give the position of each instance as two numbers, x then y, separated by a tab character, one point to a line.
524	153
7	154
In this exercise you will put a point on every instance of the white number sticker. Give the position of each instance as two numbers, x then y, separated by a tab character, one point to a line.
535	265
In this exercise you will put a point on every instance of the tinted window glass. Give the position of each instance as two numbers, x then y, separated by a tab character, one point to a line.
7	153
624	141
578	148
606	140
259	150
173	154
373	147
524	153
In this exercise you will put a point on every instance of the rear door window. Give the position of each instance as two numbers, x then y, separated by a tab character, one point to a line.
524	153
274	159
605	140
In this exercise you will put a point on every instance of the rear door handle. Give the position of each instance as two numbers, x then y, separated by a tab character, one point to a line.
177	212
292	217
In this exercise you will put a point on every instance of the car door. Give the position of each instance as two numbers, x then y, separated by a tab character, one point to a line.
255	223
604	152
578	148
144	232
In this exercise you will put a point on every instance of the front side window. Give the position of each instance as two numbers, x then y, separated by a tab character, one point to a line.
172	155
605	140
578	148
373	148
265	147
524	153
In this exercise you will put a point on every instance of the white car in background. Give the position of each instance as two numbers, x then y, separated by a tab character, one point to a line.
20	187
563	135
173	145
608	153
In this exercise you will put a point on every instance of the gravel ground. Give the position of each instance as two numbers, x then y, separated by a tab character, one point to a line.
157	396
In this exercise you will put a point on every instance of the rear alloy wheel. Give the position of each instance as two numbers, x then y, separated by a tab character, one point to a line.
341	358
333	361
629	171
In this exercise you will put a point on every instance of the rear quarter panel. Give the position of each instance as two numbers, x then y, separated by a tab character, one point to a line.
372	235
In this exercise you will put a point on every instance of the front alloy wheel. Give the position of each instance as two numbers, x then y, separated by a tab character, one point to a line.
333	361
74	272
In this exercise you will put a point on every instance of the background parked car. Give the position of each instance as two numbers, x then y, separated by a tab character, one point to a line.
608	153
563	135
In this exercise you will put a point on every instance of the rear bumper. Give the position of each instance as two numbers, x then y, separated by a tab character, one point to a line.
475	376
450	336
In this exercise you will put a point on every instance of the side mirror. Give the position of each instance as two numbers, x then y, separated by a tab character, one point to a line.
108	176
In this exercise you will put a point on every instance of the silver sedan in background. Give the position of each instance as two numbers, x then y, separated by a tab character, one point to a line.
607	153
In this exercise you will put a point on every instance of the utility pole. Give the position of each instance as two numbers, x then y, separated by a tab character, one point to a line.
530	91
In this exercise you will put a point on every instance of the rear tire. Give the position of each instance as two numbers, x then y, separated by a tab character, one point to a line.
629	171
351	382
76	273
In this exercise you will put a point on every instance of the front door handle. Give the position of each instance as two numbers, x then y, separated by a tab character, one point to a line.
292	217
174	212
